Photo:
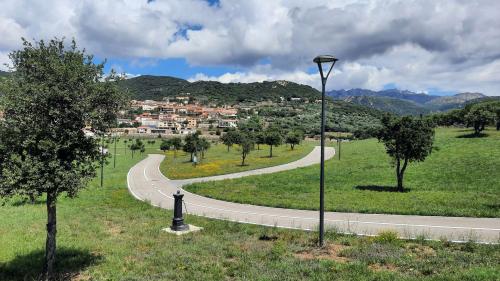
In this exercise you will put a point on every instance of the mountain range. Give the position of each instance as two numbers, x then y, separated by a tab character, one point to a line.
404	102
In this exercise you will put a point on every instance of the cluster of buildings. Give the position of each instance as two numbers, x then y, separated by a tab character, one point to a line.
179	117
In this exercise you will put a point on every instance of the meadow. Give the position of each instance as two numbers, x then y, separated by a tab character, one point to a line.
218	160
460	178
105	234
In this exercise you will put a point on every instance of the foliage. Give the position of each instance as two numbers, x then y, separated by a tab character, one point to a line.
406	140
294	138
165	145
176	143
246	142
478	117
53	95
272	138
160	87
230	138
193	144
138	145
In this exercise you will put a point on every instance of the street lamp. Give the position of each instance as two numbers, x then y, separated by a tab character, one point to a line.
320	60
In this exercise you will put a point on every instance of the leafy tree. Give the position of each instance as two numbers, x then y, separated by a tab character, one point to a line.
246	141
138	145
230	138
165	145
191	144
54	94
204	145
272	138
294	138
406	140
478	117
260	138
253	125
176	143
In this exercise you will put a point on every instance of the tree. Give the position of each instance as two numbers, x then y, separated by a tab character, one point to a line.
176	143
191	144
294	138
165	145
272	138
230	138
204	145
406	140
54	94
478	117
246	142
260	138
138	145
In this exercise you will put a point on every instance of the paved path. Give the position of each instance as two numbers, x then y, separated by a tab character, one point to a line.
147	183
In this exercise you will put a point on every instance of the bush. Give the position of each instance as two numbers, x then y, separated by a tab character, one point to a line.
387	237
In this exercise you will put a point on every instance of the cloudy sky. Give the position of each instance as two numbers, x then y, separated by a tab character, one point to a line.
433	46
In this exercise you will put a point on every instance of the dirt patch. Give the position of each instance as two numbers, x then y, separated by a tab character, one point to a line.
113	229
329	252
421	251
382	267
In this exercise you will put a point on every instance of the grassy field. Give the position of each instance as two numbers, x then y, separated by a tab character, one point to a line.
105	234
460	178
219	161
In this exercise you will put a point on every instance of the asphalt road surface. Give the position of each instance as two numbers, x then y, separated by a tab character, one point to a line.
147	183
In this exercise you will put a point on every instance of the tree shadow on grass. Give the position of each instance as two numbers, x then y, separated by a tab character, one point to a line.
21	202
380	188
472	136
69	263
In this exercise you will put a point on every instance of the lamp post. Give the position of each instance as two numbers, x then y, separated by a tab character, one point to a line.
320	60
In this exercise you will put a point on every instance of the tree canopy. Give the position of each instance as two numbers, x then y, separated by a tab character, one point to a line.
406	140
55	93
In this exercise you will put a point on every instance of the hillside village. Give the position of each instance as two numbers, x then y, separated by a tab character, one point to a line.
181	115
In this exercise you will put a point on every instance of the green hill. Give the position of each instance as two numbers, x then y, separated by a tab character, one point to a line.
159	87
392	105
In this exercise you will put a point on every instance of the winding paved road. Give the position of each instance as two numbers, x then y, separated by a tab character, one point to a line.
147	183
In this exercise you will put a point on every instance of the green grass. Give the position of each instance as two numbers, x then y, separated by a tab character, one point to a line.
219	161
105	234
460	178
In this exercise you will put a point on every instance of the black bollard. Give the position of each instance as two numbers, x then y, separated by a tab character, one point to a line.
178	221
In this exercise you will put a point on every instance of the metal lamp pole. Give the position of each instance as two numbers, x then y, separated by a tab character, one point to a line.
319	60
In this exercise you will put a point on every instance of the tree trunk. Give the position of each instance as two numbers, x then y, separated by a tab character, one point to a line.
270	151
228	148
400	171
192	157
50	244
243	159
292	146
175	153
258	146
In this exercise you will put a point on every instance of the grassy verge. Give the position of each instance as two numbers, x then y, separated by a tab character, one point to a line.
105	234
460	178
219	161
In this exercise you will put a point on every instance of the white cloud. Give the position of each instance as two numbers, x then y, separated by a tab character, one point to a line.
451	45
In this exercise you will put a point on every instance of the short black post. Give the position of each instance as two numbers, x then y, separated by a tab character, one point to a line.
178	221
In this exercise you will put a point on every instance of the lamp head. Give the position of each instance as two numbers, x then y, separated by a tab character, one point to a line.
325	58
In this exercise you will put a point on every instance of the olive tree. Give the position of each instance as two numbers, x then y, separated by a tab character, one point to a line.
272	138
246	142
478	117
294	138
176	144
406	140
55	92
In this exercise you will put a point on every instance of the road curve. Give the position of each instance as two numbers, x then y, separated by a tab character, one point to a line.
147	183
